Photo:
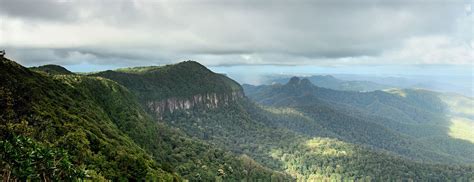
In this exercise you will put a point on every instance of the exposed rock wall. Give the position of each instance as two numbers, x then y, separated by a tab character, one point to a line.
208	101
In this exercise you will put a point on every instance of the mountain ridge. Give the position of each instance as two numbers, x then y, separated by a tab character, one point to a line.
101	124
418	109
52	69
118	132
186	85
331	82
244	129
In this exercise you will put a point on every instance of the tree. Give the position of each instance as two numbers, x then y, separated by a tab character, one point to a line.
25	159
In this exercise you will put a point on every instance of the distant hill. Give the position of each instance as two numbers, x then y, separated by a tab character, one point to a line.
52	69
408	119
328	81
445	83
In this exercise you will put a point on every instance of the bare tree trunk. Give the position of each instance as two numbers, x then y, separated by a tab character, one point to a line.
44	178
6	175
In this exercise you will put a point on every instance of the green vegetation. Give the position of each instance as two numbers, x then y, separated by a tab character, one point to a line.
65	127
461	115
182	80
410	123
62	118
104	131
52	69
24	159
328	159
246	130
138	70
459	105
266	134
462	128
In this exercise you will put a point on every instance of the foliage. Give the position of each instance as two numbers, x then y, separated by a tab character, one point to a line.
107	133
25	159
59	116
172	149
244	129
95	128
181	80
406	122
278	140
52	69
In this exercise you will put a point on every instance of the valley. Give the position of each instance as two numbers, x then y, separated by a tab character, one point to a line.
185	122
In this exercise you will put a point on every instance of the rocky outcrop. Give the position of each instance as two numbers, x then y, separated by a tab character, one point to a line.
207	101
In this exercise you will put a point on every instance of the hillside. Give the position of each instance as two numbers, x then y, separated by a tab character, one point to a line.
185	85
104	131
199	127
181	80
55	114
411	123
241	126
52	69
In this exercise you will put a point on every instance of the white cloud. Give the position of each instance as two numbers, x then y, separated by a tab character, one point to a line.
432	50
239	32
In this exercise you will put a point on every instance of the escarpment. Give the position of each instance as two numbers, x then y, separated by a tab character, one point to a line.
199	101
183	86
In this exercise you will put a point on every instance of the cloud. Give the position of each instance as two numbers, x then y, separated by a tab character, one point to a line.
52	10
433	50
237	32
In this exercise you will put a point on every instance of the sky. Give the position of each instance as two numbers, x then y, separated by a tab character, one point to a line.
92	35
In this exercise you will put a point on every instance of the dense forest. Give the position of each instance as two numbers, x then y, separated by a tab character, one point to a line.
408	122
57	126
183	122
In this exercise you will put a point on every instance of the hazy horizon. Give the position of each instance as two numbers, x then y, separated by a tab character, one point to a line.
444	78
398	104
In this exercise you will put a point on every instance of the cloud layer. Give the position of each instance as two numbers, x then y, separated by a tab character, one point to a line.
319	32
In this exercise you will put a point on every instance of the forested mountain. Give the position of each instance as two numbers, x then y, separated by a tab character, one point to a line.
60	126
226	118
52	69
410	123
328	81
184	122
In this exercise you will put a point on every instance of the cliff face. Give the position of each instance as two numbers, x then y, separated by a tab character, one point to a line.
182	86
203	101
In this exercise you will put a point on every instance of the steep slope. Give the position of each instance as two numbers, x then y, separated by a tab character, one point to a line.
398	123
190	158
242	127
173	87
106	131
57	115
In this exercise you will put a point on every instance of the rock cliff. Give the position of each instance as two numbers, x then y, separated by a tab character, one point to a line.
204	101
182	86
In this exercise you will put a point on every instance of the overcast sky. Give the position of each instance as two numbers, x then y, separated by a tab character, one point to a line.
116	33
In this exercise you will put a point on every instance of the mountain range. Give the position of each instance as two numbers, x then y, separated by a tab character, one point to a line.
184	122
365	83
411	122
331	82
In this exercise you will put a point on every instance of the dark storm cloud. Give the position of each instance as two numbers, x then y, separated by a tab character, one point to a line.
151	30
